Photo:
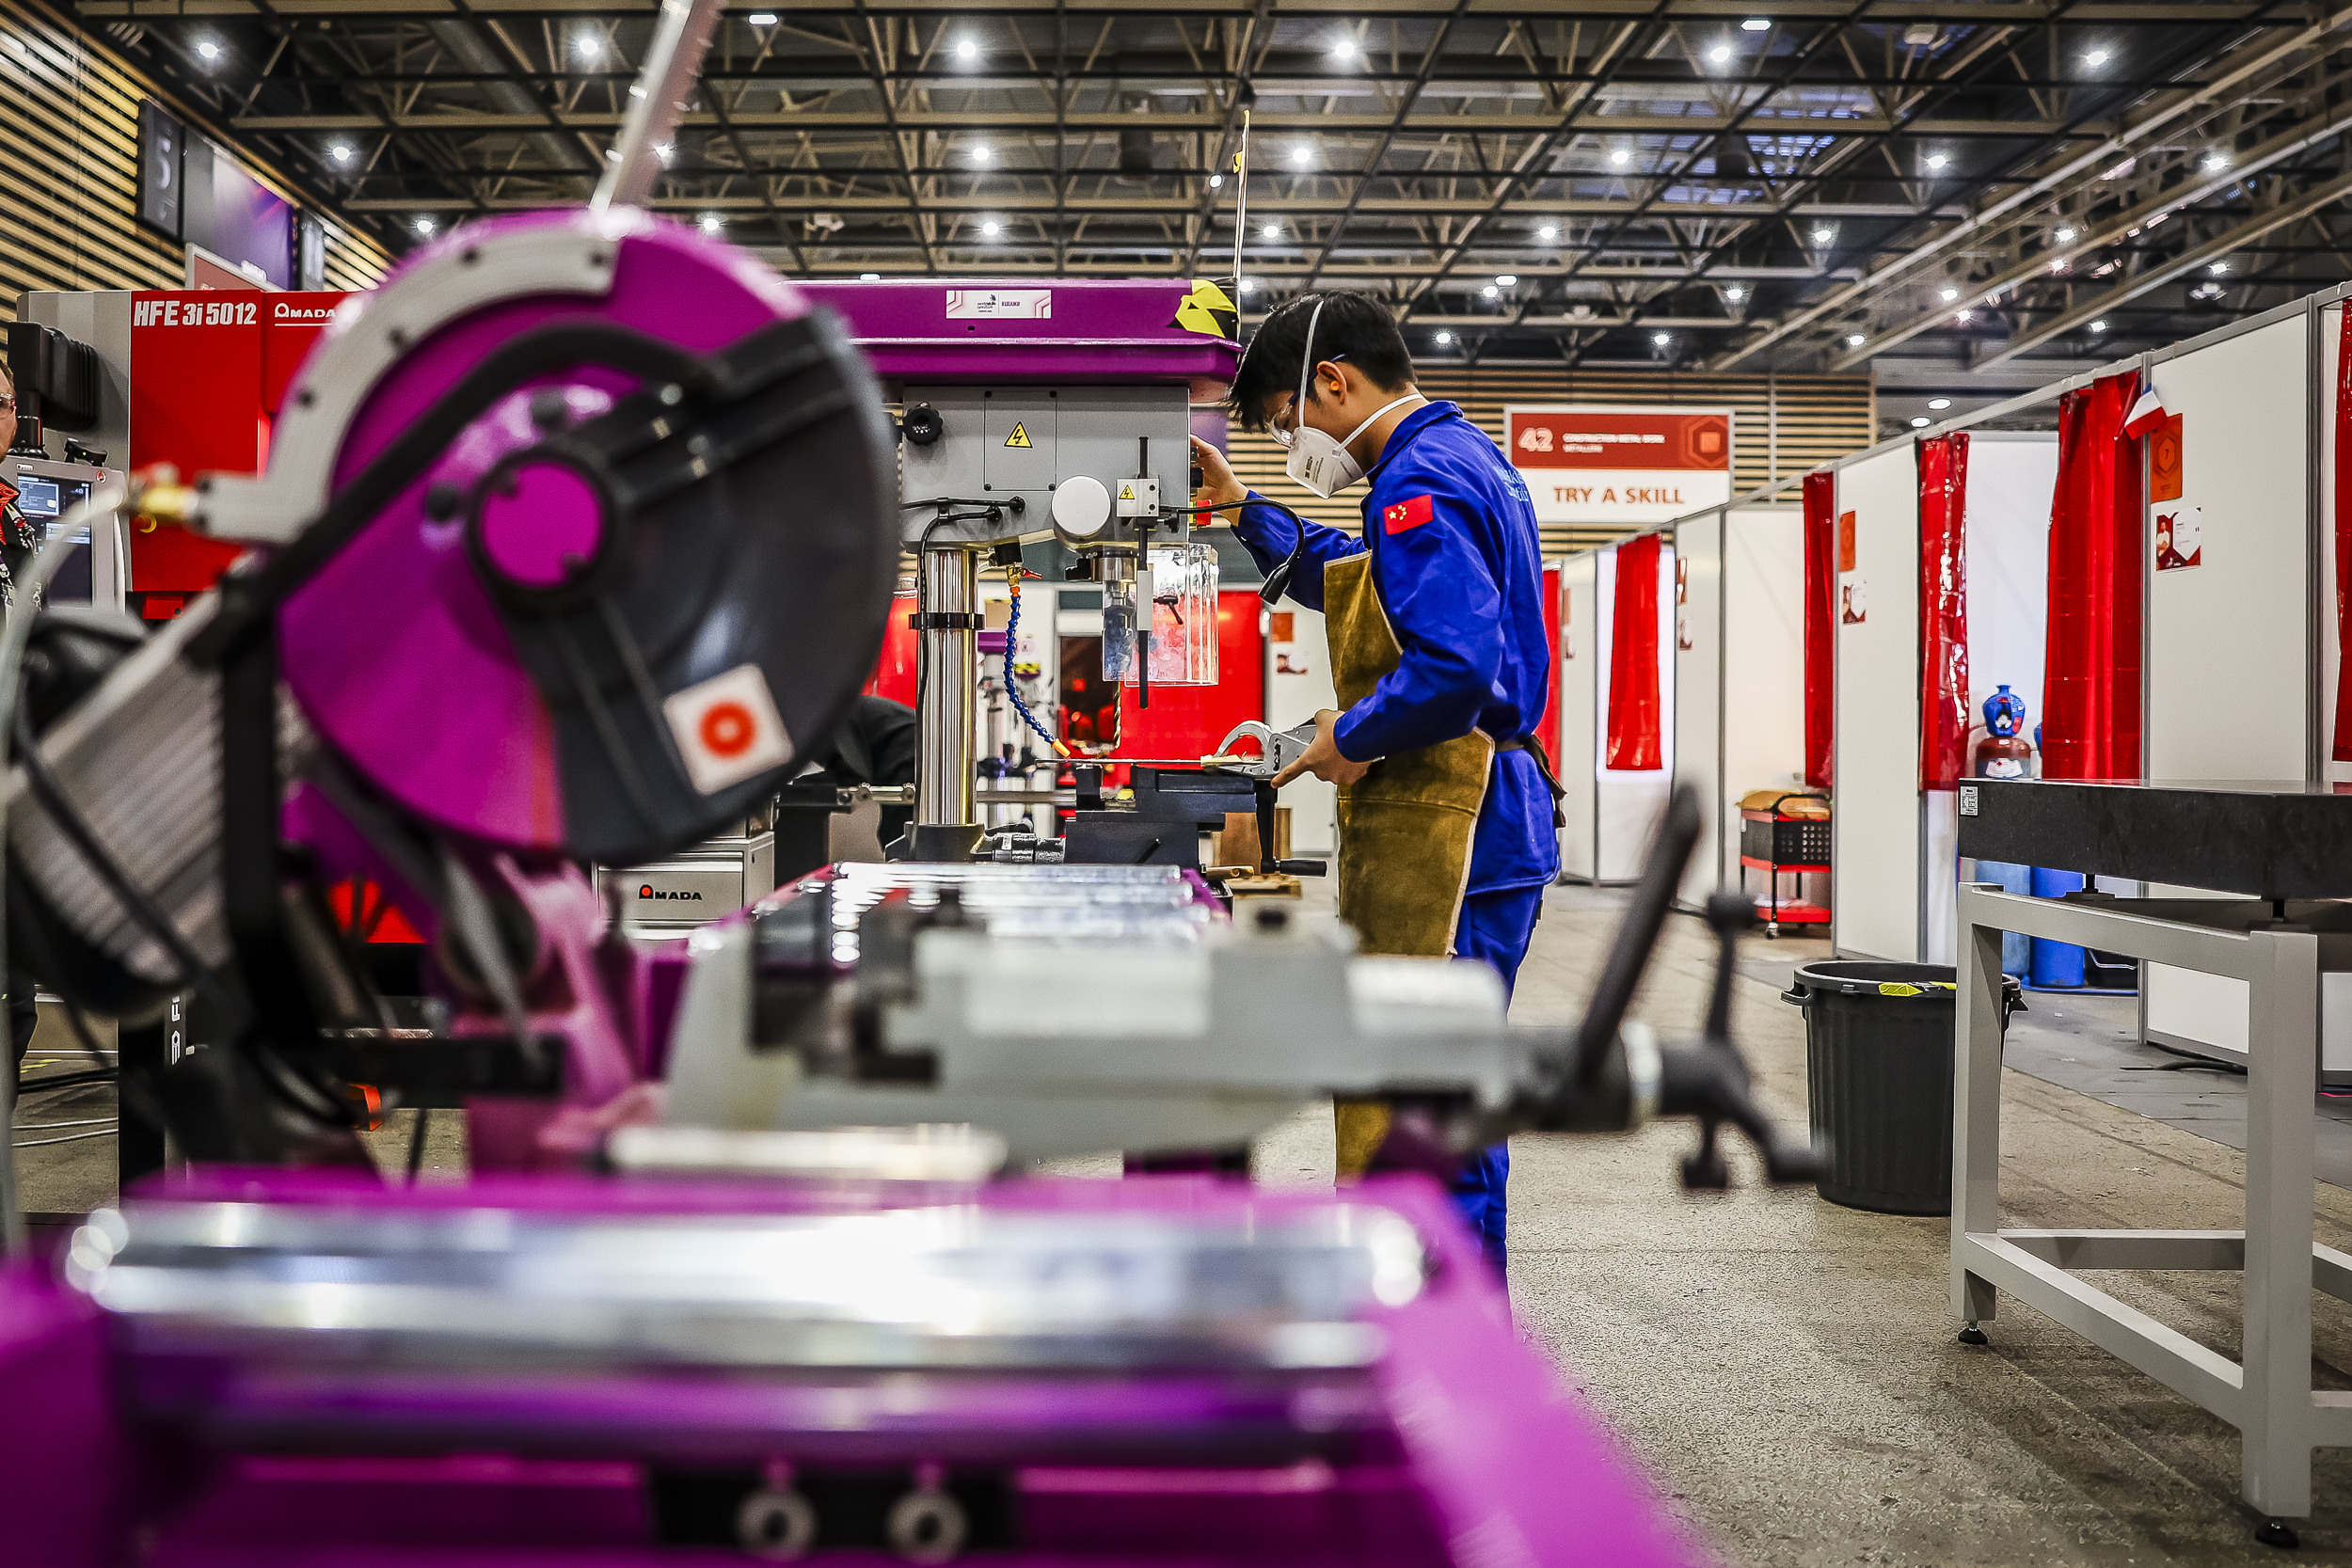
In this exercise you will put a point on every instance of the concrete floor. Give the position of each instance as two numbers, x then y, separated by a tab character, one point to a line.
1785	1368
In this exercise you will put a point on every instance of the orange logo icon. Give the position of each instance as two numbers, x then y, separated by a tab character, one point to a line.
727	729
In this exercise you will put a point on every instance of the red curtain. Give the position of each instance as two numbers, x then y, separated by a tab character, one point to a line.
1821	624
1942	610
2343	749
2092	684
1634	742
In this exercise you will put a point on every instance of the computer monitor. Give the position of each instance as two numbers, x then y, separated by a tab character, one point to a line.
46	491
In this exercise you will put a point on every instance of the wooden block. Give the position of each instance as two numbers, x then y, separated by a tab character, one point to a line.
1237	841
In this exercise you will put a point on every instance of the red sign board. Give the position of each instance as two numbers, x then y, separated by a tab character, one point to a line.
209	368
1581	439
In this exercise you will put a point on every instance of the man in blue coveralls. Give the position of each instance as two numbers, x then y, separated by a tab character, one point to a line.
1448	810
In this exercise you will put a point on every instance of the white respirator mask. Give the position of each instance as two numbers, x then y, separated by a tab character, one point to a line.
1319	460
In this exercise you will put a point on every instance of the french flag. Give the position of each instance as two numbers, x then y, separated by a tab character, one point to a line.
2147	410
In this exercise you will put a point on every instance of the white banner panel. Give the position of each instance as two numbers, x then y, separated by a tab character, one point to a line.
1625	467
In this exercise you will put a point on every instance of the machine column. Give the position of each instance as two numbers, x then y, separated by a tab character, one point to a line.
947	589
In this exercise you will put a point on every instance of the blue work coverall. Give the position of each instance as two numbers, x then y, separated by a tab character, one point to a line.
1460	575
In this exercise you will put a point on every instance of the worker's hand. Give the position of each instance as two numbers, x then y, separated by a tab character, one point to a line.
1323	758
1218	487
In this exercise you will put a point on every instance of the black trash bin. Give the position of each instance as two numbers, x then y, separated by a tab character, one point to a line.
1878	1040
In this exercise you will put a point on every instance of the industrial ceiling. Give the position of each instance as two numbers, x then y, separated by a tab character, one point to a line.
1686	184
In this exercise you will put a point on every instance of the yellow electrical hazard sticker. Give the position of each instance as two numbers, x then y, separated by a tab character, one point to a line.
1020	436
1203	306
1126	492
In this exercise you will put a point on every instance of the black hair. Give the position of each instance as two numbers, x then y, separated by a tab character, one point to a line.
1354	326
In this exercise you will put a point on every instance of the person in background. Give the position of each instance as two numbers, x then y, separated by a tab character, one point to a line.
1448	809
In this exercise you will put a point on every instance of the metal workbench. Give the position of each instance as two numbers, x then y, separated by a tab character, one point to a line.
2289	845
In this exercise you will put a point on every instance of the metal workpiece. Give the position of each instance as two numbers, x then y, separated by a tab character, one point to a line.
2267	1394
683	1330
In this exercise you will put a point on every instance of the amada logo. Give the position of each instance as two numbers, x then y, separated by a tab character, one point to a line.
646	889
284	312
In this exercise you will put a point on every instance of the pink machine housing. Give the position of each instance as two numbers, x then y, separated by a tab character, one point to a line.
271	1368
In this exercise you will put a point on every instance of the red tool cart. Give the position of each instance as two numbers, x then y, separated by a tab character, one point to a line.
1784	832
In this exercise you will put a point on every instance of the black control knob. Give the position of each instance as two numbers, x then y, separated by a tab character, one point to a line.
922	425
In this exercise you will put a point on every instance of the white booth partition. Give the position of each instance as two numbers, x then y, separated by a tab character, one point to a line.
1763	678
2234	645
1627	801
1875	822
1699	710
1579	640
2012	476
1621	805
1739	679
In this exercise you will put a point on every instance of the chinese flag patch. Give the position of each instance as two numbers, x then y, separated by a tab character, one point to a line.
1411	512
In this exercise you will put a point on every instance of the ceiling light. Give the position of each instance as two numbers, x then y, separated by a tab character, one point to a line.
980	155
1662	338
1854	339
1951	294
1549	231
636	92
588	46
1756	25
1506	280
1444	337
1250	285
869	277
1939	403
1919	421
2066	236
2058	265
712	223
665	152
341	152
1720	54
2096	58
1823	236
989	228
2218	268
1490	292
1735	293
424	227
207	50
1964	317
1271	232
1302	154
967	50
1619	155
1344	49
1937	160
762	19
2098	326
1215	179
2216	161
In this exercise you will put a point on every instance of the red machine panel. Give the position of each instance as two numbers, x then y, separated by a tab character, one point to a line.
207	368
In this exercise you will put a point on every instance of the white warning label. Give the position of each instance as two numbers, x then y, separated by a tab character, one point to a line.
1035	305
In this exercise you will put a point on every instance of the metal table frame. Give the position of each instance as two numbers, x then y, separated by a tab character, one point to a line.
2268	1394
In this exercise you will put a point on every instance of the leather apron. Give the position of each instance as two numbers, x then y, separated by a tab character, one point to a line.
1405	826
